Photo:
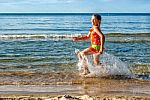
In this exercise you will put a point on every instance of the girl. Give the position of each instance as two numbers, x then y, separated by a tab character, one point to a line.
97	41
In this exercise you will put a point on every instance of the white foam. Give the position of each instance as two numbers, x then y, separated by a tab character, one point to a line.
37	36
111	65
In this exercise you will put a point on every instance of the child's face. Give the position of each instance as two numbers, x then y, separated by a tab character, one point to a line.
94	21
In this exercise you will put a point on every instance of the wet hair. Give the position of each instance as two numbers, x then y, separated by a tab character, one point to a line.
97	16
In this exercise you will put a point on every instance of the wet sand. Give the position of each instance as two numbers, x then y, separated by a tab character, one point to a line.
75	92
36	86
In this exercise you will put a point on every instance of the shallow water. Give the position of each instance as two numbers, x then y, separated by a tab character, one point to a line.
48	55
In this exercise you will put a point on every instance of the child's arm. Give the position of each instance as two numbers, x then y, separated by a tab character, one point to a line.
86	37
102	40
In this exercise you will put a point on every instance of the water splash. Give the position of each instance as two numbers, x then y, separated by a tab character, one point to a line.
111	65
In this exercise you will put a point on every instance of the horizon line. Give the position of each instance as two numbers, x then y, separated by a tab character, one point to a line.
74	12
80	13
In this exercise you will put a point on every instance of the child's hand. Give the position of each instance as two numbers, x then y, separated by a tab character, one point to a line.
75	38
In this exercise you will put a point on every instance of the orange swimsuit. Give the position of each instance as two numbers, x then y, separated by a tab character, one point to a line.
95	41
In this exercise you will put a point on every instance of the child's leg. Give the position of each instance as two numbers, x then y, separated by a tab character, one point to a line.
86	51
96	59
83	53
79	56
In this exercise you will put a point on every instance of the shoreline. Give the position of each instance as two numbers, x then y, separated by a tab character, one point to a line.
83	93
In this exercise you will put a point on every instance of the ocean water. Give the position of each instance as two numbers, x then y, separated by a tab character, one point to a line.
30	23
32	45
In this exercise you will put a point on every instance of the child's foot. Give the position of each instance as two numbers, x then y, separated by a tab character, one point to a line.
86	71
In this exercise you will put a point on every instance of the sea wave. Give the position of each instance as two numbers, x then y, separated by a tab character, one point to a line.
37	36
110	37
128	34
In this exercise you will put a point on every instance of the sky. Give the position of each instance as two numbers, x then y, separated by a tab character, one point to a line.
75	6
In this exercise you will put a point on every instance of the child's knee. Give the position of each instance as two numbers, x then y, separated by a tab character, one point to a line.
82	54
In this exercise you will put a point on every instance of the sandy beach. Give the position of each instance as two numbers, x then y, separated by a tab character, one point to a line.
72	97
